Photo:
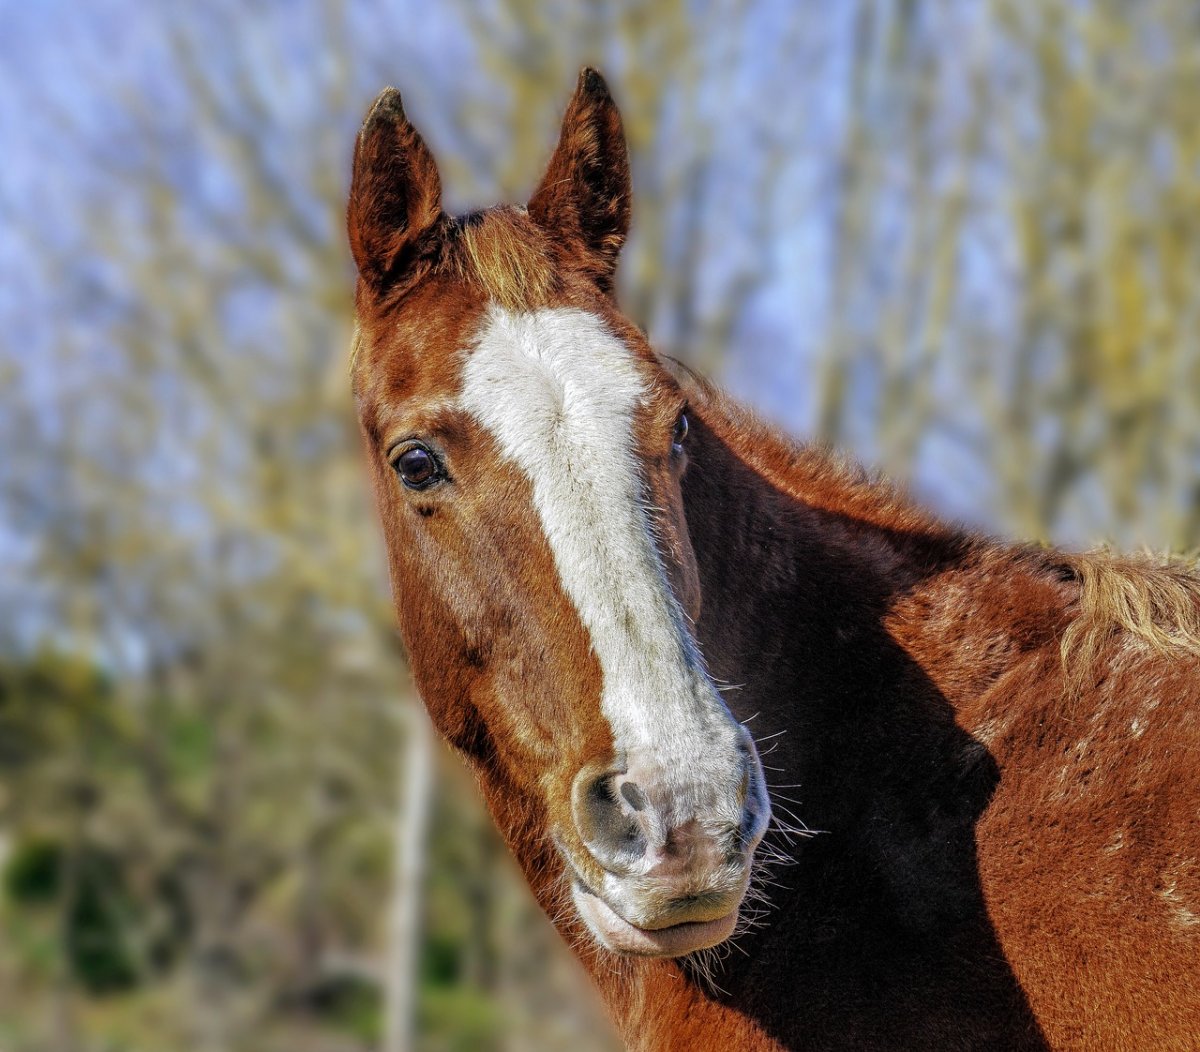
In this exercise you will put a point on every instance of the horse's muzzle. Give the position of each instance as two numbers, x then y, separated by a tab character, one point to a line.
670	851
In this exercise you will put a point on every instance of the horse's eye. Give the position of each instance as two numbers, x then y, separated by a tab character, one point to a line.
417	467
679	434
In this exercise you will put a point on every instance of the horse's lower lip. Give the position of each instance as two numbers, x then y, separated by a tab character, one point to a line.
617	934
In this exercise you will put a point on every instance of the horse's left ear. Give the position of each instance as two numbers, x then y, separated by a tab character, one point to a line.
585	194
395	196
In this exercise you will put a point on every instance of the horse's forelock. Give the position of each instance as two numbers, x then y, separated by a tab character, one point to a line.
507	257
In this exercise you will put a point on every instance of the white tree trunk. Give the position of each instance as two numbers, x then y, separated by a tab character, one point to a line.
404	925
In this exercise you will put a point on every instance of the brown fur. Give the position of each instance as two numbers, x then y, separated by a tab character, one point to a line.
1010	839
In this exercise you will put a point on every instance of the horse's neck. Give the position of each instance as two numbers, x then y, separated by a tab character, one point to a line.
849	630
819	581
799	560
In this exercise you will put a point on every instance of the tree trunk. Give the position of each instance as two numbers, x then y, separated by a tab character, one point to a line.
404	928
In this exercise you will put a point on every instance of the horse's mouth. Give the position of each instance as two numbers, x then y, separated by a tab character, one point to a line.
674	940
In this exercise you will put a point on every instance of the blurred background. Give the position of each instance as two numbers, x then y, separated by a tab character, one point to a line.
958	239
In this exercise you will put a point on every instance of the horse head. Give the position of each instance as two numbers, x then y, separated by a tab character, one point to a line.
527	448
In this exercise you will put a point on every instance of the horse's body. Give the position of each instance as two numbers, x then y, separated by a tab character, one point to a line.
999	745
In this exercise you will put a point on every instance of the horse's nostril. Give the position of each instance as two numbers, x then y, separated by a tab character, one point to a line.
634	797
606	815
632	823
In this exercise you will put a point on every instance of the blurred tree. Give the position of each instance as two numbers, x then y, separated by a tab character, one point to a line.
1012	241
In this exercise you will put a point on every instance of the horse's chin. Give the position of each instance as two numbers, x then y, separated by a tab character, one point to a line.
616	934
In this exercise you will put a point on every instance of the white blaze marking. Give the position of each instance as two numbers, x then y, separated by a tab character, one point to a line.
559	392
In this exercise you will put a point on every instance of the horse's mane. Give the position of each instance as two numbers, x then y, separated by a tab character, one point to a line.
1155	601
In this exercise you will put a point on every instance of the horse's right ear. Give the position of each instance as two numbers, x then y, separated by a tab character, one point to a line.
395	195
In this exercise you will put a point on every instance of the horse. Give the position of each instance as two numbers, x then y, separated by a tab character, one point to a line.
982	830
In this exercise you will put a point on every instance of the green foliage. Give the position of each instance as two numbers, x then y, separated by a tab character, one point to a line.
350	1004
44	701
189	743
98	919
441	959
33	876
460	1020
103	918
